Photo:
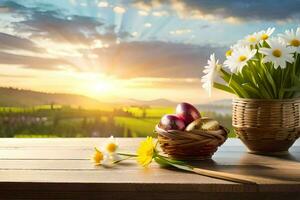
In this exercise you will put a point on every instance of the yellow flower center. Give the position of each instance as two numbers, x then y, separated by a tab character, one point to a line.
295	43
242	58
229	52
277	53
111	147
264	36
98	157
252	39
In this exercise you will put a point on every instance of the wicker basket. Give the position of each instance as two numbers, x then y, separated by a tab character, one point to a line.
267	126
192	145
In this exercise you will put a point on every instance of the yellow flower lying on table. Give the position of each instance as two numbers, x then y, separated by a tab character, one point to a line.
146	153
109	155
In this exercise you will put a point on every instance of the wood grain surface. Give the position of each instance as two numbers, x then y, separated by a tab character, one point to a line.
61	169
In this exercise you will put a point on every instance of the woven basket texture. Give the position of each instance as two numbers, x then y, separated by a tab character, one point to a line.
266	125
191	145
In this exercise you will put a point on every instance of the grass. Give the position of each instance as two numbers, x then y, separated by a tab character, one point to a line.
153	112
29	109
159	111
135	127
63	121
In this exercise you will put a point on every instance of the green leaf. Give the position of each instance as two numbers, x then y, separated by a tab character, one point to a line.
234	82
271	81
170	160
296	80
254	93
293	89
161	162
182	167
223	87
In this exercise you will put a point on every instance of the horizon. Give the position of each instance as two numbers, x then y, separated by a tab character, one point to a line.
122	102
130	49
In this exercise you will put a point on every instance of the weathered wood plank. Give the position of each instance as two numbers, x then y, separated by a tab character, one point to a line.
259	174
84	142
35	167
249	162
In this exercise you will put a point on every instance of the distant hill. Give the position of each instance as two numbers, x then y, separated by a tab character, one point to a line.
20	97
24	98
155	102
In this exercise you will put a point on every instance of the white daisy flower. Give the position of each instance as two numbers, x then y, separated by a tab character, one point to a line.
252	39
239	58
278	53
292	39
100	157
108	155
107	161
229	52
265	34
111	145
239	44
210	72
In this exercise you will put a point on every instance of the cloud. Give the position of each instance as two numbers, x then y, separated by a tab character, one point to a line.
160	13
148	25
147	5
170	83
10	6
10	42
59	27
103	4
143	13
78	30
32	62
119	9
102	53
232	11
125	60
180	31
155	59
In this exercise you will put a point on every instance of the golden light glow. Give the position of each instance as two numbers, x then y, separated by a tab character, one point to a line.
102	87
94	84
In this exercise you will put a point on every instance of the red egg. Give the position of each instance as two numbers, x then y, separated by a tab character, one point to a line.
187	112
171	122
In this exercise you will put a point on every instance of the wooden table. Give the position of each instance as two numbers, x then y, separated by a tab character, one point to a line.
60	169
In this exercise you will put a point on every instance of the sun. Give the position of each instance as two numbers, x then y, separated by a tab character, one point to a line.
94	84
102	86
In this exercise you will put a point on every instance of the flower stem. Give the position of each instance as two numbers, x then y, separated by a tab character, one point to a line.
127	154
117	161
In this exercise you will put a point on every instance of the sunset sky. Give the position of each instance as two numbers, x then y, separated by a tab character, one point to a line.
113	50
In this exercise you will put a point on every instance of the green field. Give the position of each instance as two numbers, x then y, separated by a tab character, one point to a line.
137	127
153	112
61	121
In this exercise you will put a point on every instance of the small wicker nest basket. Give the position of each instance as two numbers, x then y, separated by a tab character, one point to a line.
192	145
267	126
